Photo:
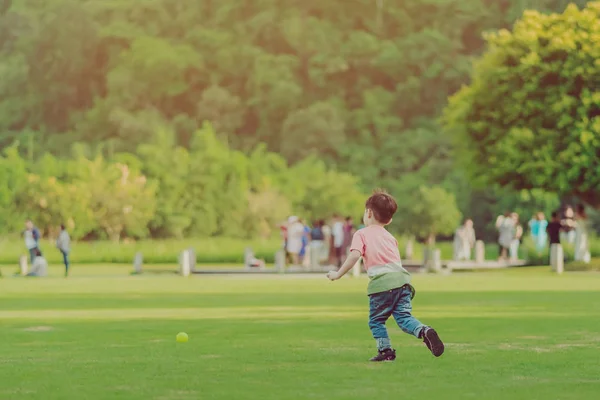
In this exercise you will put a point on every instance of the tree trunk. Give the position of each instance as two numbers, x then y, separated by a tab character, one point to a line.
431	240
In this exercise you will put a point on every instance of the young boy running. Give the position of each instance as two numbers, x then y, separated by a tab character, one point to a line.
390	292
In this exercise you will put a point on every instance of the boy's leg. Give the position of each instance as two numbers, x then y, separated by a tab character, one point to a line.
402	313
380	309
411	325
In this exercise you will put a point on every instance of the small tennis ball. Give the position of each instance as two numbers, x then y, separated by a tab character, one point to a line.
182	337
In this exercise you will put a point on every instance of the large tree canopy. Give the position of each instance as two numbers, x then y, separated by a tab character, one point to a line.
531	116
330	85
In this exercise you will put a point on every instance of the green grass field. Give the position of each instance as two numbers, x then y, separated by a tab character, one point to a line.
512	334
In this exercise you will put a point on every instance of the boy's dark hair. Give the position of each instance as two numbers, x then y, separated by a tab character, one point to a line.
62	227
38	253
348	218
383	206
554	214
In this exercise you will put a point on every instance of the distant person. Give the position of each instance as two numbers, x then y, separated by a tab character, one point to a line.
337	231
517	236
63	243
295	232
464	241
348	232
582	252
305	250
568	223
327	241
499	222
554	229
390	292
537	227
32	239
506	233
317	243
39	266
283	232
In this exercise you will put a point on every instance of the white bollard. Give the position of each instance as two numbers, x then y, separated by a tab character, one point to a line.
557	259
306	259
315	253
184	267
560	260
192	259
408	253
479	251
138	263
434	260
248	256
280	261
23	265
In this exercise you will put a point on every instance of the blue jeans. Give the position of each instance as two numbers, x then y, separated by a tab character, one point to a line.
66	261
396	302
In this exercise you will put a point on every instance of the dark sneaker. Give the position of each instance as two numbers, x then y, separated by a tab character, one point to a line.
433	341
385	355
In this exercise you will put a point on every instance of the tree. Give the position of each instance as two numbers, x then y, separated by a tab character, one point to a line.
168	166
316	192
13	174
434	212
316	130
223	110
51	203
122	202
531	116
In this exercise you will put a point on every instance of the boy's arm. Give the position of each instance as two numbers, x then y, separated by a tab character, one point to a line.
352	259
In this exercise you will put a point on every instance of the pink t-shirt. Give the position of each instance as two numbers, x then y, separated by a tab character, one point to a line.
377	246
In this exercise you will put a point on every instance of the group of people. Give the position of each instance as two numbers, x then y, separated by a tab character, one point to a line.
572	227
39	265
322	242
567	226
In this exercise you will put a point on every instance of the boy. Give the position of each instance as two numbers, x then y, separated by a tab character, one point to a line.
389	290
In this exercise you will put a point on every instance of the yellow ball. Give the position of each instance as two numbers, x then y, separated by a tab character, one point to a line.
182	337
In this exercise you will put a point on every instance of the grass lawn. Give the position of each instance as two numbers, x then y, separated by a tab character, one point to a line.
512	334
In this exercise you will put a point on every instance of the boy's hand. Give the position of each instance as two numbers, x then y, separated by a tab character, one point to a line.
333	275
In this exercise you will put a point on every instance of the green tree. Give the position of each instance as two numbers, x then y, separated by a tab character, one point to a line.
122	201
168	166
316	192
531	116
316	130
51	203
434	212
13	174
223	110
